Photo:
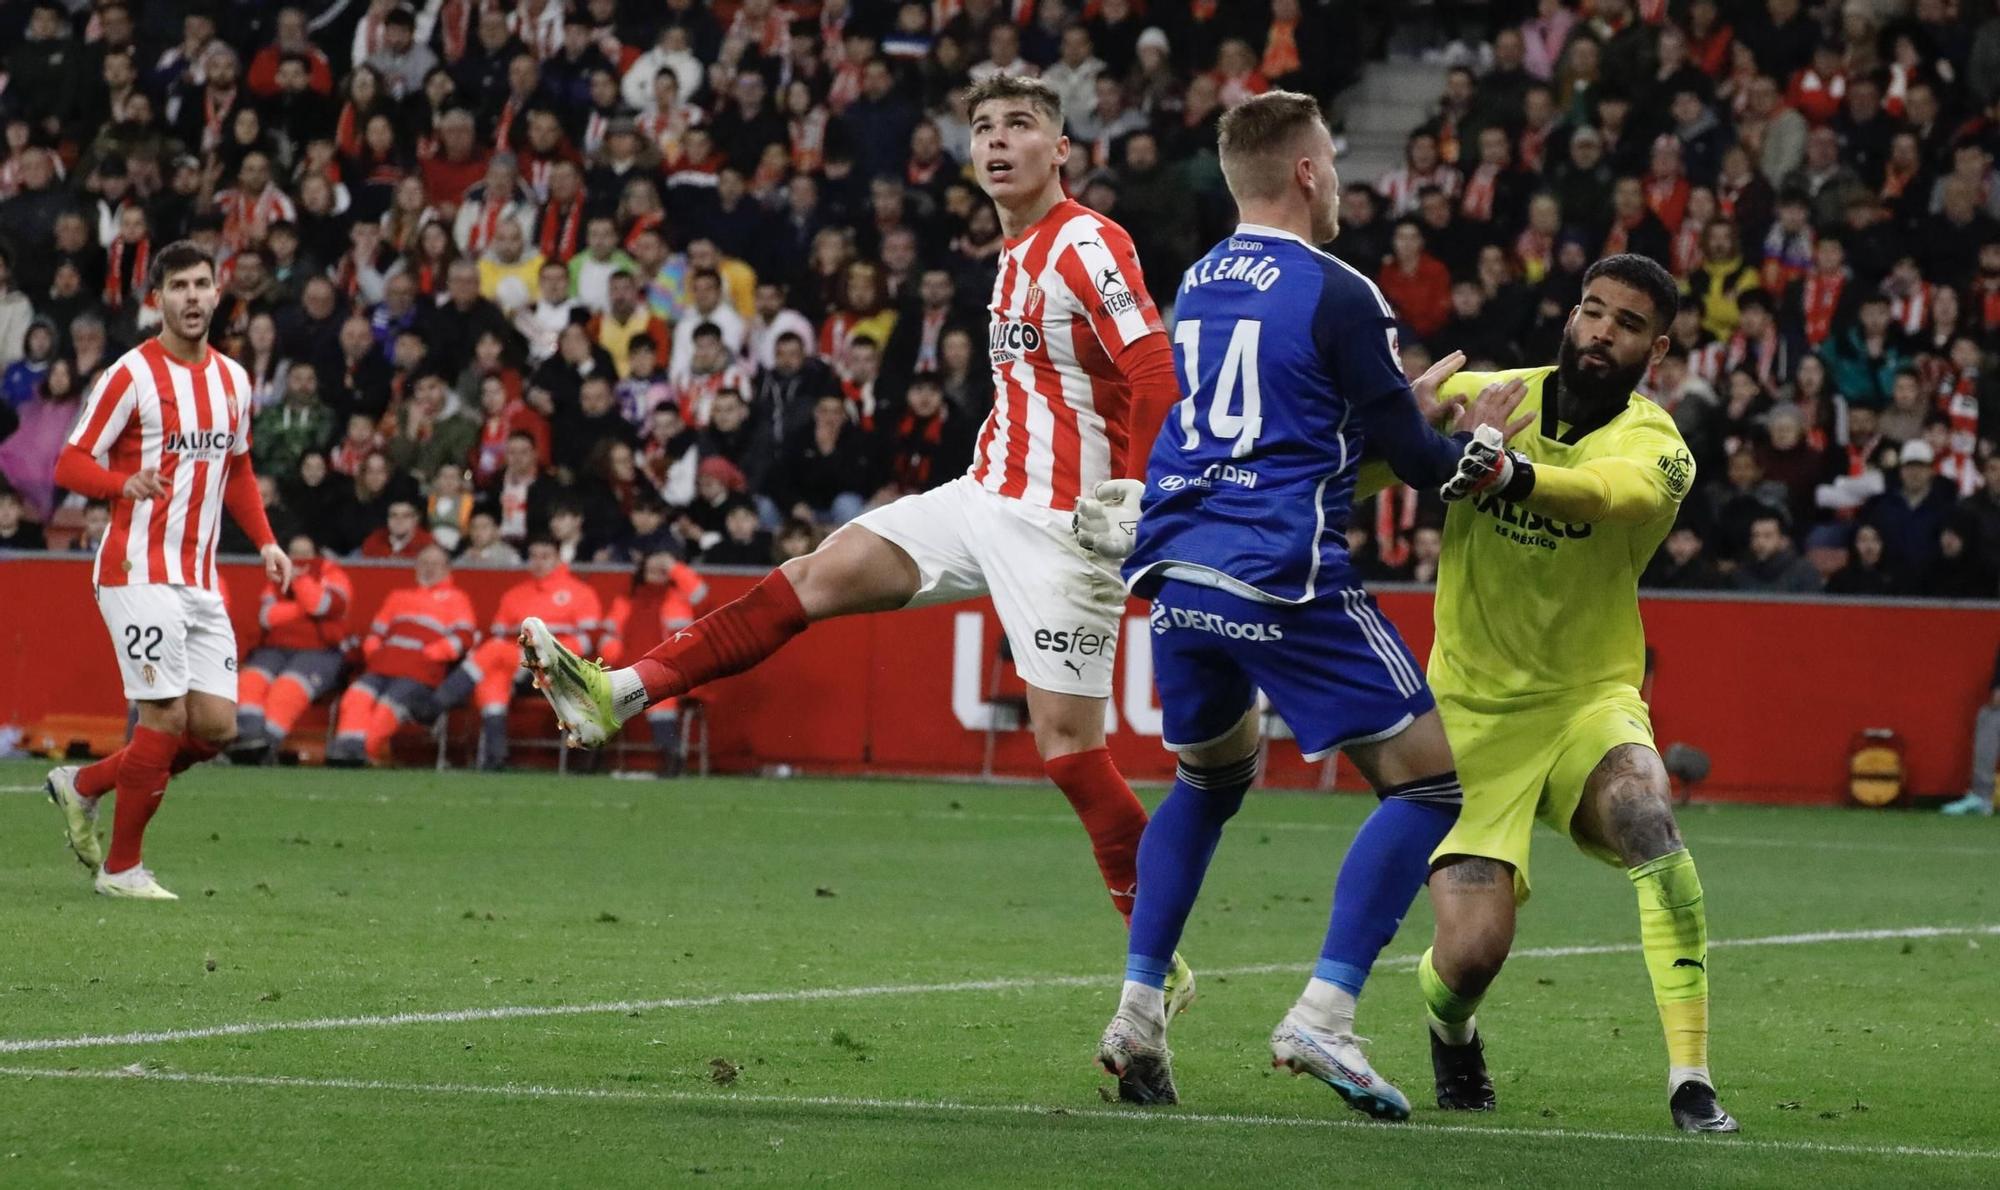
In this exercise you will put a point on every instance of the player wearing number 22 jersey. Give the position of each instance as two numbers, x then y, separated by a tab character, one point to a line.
165	438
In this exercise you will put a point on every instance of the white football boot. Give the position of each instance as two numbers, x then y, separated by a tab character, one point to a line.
1336	1060
79	815
134	884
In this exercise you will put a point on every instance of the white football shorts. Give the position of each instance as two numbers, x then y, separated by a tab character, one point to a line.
170	639
1059	604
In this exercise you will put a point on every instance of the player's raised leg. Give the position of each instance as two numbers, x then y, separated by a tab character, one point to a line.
80	812
852	571
1627	808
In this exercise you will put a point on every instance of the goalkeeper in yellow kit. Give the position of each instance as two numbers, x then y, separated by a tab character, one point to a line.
1536	668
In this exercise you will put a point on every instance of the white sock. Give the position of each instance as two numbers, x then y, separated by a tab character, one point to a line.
1326	1006
1452	1034
1144	1002
628	693
1676	1075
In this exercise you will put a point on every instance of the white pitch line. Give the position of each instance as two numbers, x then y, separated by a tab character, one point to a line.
1054	819
954	1107
508	1012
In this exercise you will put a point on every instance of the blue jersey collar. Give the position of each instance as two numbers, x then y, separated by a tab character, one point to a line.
1256	230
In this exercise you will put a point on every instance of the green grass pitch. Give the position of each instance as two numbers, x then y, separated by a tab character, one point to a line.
407	979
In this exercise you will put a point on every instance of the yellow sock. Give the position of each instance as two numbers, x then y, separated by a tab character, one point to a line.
1673	932
1450	1013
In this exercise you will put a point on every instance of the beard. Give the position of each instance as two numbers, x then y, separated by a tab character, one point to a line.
1598	381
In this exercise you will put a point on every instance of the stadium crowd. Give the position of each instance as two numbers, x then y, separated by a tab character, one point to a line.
705	278
1821	181
708	278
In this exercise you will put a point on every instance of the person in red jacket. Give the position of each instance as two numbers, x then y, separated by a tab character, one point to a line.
665	591
297	659
565	602
401	536
1416	283
416	636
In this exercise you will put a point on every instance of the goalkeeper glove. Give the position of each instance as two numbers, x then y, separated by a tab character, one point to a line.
1486	465
1107	523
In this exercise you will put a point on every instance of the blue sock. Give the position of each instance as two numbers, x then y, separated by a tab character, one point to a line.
1389	861
1173	857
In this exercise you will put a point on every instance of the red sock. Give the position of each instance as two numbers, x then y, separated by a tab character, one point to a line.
96	780
191	752
1111	813
727	641
142	781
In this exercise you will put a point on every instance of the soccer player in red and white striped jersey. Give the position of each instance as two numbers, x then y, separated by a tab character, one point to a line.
1084	376
165	438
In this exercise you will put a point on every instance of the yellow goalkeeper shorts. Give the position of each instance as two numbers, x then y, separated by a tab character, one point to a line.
1518	763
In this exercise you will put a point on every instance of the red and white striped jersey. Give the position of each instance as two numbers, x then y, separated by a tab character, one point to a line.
191	422
1068	298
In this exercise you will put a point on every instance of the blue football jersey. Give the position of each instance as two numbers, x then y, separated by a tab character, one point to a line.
1288	365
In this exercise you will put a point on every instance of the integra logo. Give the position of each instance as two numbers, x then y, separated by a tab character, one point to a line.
200	442
1013	337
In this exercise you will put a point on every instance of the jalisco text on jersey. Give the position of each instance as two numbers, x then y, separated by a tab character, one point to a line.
213	441
1533	528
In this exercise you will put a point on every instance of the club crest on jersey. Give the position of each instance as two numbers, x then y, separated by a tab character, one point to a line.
151	675
1035	297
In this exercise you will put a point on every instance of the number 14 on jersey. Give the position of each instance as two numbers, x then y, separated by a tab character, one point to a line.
1237	374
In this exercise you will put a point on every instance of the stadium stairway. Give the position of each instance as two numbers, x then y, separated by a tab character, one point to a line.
1392	98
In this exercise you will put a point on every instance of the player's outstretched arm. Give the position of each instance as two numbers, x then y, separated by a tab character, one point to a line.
1646	481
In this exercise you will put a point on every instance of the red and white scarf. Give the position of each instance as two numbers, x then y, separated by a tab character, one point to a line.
1477	203
125	273
1821	299
559	229
488	222
1959	402
1395	520
1913	309
1686	254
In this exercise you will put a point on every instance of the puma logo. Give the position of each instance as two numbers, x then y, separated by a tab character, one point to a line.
1697	964
1073	665
683	634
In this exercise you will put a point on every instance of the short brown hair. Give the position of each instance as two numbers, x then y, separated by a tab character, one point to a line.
1009	86
1258	129
181	254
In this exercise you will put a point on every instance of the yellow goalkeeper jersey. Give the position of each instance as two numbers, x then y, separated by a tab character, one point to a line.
1542	598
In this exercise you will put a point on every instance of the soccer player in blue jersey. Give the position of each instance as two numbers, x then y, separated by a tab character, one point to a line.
1289	369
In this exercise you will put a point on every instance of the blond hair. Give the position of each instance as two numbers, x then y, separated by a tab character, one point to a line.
1257	141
